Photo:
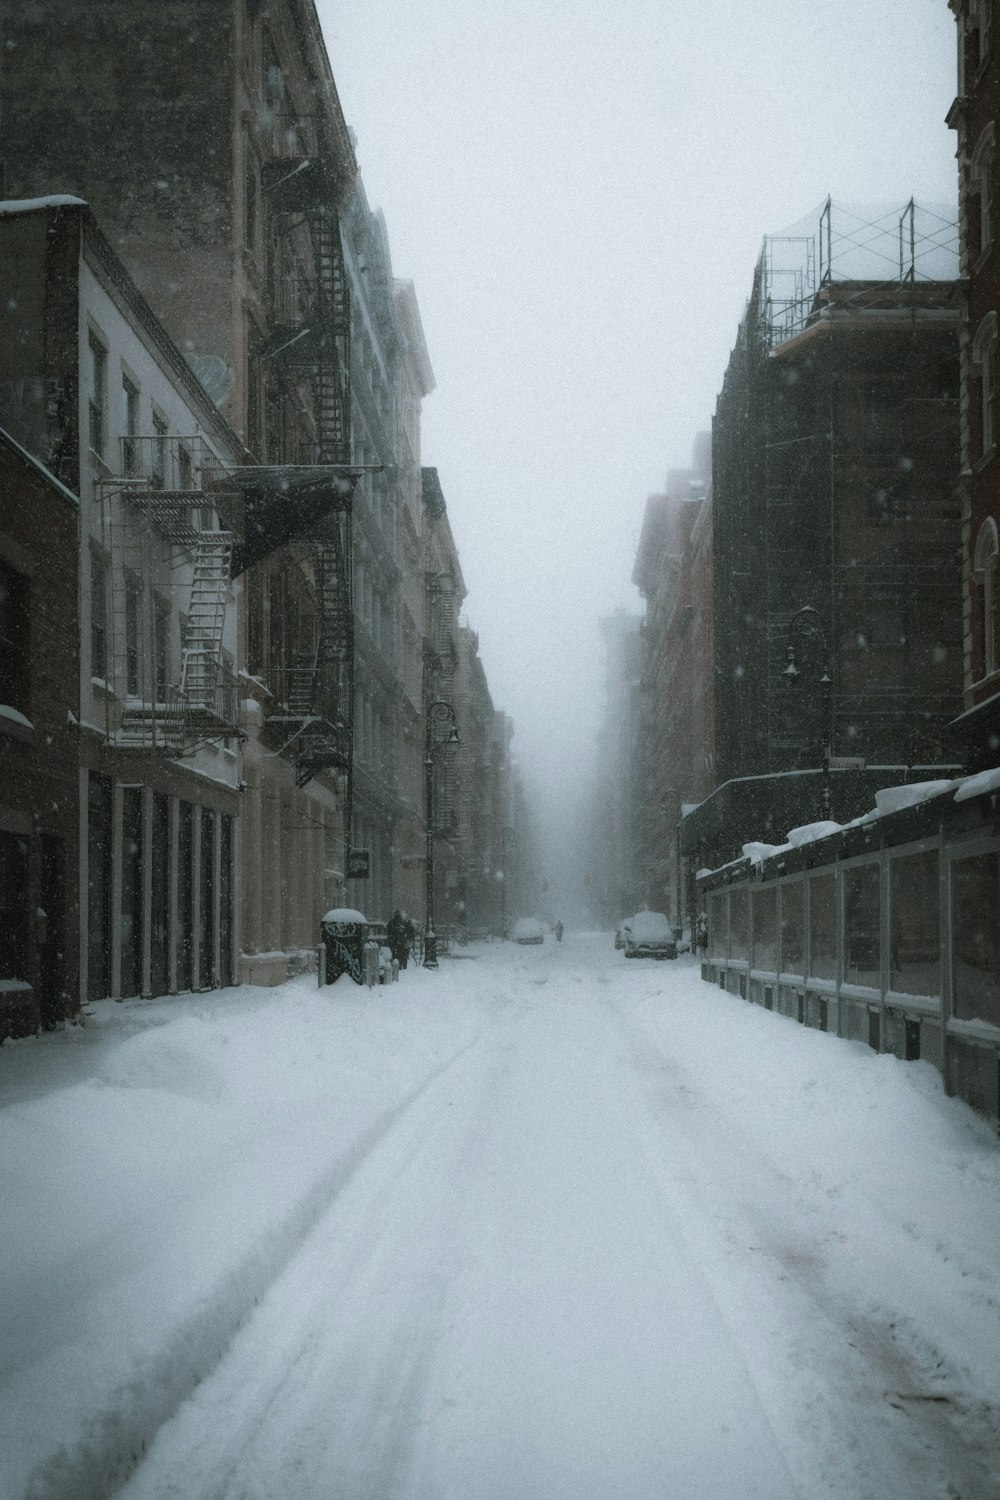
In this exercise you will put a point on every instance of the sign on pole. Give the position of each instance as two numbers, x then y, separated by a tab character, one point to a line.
357	864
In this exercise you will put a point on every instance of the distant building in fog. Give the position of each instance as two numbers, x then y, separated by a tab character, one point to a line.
616	884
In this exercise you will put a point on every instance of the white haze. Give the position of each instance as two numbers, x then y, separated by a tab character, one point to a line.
579	192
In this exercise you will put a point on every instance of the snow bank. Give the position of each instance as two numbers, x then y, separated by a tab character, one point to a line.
808	833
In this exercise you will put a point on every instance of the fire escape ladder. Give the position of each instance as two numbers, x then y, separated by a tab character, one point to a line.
333	308
206	618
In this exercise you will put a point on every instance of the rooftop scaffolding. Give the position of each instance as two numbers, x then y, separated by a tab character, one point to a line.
858	243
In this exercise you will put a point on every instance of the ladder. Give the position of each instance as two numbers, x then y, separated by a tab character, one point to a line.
206	618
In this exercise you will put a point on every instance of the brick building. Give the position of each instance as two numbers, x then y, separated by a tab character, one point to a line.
39	732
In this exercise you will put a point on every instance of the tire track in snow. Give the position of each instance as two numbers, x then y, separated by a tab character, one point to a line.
336	1355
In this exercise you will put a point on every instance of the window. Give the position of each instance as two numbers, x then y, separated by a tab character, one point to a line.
986	584
133	633
15	616
98	616
161	648
185	468
130	427
981	192
98	393
250	207
159	455
15	943
984	355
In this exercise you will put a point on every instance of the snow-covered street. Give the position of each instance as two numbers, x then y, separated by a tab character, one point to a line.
543	1224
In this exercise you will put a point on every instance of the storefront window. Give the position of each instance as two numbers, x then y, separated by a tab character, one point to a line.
738	945
975	898
823	926
792	927
862	929
765	928
914	929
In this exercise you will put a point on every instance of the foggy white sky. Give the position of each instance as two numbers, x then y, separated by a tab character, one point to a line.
579	192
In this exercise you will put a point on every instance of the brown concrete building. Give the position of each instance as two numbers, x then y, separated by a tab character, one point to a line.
92	384
973	116
39	745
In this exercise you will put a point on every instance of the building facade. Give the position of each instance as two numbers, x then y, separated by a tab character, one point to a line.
96	390
973	116
39	742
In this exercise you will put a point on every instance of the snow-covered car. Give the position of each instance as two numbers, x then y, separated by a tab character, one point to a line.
620	933
528	930
650	935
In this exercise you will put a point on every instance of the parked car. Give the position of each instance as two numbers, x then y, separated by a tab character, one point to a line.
528	930
650	935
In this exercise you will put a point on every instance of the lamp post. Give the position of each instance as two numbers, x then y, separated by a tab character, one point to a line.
807	622
438	712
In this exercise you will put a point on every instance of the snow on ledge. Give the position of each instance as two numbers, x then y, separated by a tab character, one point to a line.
14	716
808	833
30	205
894	798
978	785
757	852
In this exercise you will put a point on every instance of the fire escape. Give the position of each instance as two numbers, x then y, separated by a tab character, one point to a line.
173	501
306	501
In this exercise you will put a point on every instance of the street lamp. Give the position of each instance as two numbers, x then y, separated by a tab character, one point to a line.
807	622
438	712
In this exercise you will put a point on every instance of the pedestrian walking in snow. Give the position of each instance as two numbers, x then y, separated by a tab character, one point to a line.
558	930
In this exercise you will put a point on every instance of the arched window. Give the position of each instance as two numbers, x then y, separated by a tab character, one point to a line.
981	190
986	581
984	371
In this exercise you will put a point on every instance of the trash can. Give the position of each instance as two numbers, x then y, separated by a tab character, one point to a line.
343	944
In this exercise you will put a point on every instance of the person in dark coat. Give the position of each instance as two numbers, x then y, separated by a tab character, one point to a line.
399	931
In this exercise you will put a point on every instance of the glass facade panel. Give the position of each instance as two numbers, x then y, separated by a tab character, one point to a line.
738	935
914	930
823	926
718	925
792	927
862	930
975	902
765	928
